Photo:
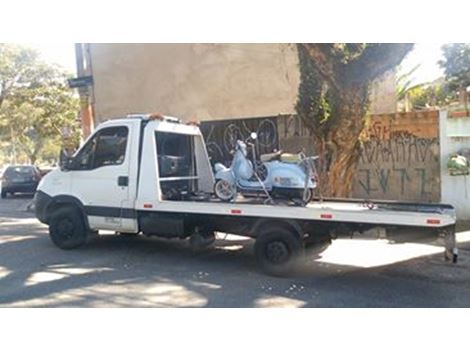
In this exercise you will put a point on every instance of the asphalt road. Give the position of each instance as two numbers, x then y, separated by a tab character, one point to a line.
117	271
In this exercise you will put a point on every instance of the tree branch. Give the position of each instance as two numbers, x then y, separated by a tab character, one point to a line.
324	62
375	61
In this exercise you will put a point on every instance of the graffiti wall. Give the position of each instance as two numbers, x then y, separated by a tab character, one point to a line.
400	158
221	136
294	136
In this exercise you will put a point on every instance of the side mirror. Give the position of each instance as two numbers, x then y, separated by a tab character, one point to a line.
253	135
65	161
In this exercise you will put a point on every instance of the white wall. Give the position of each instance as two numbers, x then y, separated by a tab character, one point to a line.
455	190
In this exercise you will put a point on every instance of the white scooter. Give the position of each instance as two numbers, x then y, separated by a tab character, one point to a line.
278	175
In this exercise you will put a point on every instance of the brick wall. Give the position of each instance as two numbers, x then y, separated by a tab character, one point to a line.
400	158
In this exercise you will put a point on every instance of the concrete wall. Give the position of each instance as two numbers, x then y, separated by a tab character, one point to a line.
400	158
455	190
383	97
204	81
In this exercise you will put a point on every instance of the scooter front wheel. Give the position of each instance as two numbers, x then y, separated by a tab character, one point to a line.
224	190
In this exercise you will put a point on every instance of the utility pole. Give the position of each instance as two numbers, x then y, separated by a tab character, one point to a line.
83	62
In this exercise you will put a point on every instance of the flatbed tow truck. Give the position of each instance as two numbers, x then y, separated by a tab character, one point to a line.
151	174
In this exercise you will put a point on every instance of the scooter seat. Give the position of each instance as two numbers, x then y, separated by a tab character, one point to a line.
270	156
290	158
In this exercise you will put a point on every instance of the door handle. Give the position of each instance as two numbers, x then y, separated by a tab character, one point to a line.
123	181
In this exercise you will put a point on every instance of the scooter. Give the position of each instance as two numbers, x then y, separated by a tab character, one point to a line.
276	175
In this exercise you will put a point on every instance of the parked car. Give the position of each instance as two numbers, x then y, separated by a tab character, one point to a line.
20	179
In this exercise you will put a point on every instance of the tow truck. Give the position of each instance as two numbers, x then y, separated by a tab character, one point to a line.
151	174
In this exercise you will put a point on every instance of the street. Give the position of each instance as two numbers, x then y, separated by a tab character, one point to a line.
120	271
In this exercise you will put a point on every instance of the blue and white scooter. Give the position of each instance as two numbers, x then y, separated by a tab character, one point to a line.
278	175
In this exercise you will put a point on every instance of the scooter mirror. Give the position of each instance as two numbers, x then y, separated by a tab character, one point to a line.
253	135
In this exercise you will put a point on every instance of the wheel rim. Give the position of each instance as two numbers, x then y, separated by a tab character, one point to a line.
277	252
66	228
224	190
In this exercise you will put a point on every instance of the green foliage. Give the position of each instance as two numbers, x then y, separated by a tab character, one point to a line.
404	82
456	64
333	76
425	96
313	104
36	105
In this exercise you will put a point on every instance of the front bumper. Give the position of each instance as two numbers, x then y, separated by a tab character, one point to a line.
41	203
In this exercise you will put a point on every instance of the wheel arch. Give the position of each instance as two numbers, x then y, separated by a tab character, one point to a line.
265	223
66	200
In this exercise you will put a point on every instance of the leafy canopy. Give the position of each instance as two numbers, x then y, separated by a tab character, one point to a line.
36	105
335	79
456	64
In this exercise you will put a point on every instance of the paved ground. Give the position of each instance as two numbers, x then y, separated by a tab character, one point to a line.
115	271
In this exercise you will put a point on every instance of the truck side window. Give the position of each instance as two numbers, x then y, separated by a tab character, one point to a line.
107	147
175	156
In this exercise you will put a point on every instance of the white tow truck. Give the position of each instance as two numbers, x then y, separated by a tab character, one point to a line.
151	174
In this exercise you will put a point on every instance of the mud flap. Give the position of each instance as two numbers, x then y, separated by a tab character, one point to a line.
450	244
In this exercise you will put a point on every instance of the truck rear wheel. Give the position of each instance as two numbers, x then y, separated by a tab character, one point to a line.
67	229
278	251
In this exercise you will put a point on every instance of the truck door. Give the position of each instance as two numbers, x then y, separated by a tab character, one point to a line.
101	177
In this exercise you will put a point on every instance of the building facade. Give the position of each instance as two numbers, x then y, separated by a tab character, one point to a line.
200	81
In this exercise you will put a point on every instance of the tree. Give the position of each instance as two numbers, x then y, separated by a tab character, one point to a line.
333	102
429	95
456	65
35	103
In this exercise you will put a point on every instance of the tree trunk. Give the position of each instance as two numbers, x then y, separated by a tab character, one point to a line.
340	149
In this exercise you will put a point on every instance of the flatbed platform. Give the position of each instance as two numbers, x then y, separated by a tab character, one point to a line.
326	210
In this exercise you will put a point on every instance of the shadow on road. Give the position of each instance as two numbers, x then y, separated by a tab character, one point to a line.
138	271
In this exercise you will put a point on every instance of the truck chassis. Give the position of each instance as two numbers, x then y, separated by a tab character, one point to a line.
282	231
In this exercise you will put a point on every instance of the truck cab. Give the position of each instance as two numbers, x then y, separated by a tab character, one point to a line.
126	165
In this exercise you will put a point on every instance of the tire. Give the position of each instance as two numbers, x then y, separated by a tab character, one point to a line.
4	194
67	229
224	190
278	251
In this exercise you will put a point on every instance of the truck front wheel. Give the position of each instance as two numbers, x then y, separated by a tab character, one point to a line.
278	251
67	229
